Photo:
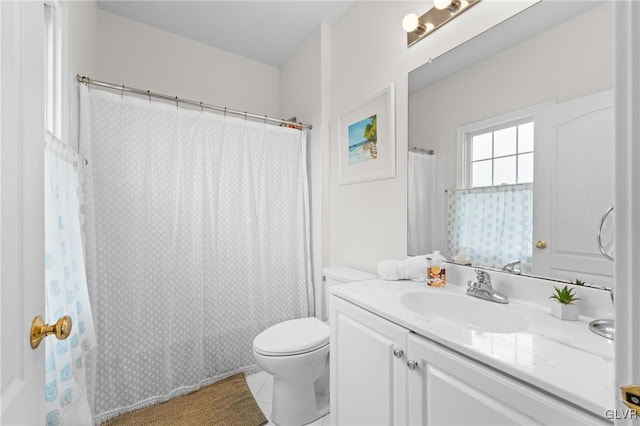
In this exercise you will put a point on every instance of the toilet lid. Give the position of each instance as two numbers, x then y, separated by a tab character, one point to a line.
292	337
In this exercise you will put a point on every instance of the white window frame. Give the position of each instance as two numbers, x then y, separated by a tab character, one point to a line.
56	84
465	133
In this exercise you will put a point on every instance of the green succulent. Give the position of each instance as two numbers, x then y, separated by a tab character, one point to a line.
578	282
564	295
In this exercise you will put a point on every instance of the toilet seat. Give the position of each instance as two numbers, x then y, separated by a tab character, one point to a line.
292	337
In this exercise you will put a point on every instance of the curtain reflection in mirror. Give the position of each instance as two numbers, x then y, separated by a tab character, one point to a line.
493	223
425	196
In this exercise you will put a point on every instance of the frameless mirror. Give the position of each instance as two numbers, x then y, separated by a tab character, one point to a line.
511	145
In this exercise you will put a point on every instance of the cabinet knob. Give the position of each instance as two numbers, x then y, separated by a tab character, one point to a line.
398	353
412	365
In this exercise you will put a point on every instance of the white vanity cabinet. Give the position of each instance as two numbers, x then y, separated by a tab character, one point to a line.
368	367
425	383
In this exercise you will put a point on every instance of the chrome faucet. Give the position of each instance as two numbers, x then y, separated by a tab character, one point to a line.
483	289
511	267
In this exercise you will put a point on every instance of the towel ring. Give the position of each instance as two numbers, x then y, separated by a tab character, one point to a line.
599	234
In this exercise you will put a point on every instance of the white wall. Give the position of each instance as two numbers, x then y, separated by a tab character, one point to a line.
368	52
301	96
81	45
138	55
105	46
570	60
300	81
83	16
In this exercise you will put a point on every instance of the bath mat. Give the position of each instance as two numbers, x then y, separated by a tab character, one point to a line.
227	402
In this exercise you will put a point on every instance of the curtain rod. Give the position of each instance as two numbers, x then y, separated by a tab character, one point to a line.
426	151
65	147
122	88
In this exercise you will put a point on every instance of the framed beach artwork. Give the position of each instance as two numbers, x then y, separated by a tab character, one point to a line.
367	148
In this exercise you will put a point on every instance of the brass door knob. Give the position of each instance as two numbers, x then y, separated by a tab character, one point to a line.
40	330
542	244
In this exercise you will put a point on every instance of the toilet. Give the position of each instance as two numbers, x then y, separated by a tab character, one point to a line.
296	354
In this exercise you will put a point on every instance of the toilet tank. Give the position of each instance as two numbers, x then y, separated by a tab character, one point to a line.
336	275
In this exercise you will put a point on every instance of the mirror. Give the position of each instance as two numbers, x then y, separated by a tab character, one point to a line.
522	117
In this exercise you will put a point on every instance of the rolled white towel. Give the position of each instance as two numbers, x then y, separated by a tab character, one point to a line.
412	268
388	270
416	268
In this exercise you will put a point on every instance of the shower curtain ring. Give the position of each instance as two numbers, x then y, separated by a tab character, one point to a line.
149	94
225	112
176	102
122	92
245	116
265	119
201	107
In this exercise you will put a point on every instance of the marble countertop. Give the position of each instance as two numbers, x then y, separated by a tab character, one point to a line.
563	358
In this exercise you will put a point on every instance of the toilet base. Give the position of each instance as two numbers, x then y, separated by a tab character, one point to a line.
300	379
296	404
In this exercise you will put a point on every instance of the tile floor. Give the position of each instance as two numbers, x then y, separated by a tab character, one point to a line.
261	386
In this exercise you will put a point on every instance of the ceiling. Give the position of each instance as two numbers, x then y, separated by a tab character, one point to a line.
266	31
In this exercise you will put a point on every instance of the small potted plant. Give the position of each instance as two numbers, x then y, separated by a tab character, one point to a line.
578	282
563	305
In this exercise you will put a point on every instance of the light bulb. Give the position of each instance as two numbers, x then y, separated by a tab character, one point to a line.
452	5
441	4
410	22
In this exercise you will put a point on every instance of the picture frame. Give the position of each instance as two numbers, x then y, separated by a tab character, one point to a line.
367	148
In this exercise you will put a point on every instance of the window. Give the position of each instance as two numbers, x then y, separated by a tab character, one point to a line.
53	71
490	214
500	155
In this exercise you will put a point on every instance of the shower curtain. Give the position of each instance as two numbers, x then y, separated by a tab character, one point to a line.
197	240
494	224
65	288
425	226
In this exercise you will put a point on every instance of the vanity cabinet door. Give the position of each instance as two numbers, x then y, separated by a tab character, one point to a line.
368	381
447	388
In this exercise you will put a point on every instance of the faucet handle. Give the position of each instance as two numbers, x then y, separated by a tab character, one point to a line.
483	277
512	267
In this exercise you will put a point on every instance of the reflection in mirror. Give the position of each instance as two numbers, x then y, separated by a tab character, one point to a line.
520	124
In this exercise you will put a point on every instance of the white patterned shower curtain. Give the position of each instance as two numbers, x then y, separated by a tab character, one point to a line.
65	289
425	197
197	240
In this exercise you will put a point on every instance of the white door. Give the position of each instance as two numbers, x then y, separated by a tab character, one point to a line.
368	372
574	145
21	210
627	342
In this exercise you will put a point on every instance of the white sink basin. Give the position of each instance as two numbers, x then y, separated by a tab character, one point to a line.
464	310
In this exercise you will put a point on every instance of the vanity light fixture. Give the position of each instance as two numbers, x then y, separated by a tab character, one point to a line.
442	12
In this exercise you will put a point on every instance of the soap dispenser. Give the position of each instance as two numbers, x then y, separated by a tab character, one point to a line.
436	271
